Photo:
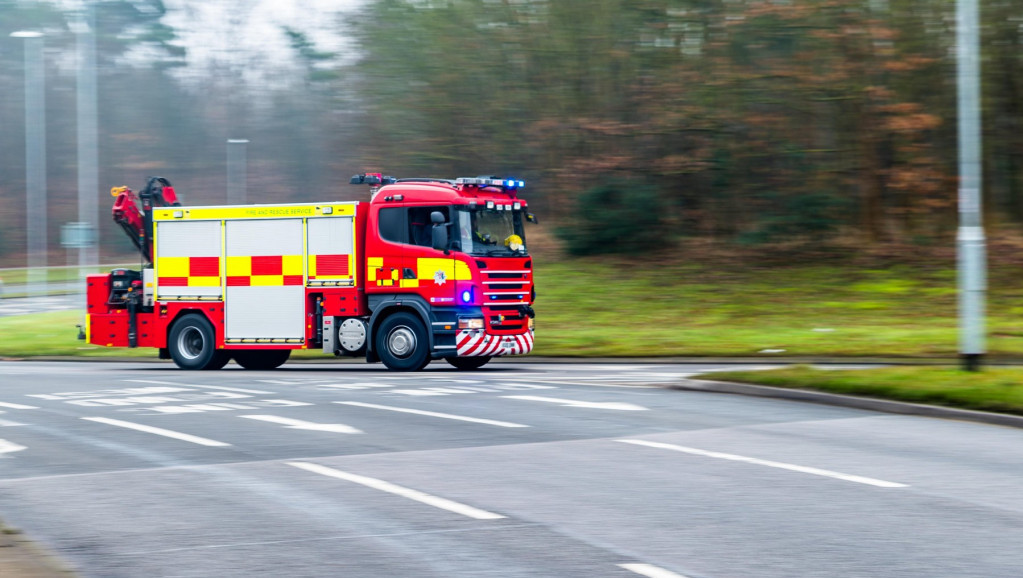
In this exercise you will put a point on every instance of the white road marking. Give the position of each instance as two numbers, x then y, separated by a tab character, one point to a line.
236	389
308	425
17	406
402	491
650	571
433	414
8	423
582	404
7	447
158	431
768	463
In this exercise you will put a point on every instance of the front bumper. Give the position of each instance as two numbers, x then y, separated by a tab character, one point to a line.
478	343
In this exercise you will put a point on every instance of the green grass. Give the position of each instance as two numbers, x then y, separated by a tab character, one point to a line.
993	389
53	274
618	308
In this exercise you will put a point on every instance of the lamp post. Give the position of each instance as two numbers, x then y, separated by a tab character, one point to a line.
88	171
236	171
35	159
970	243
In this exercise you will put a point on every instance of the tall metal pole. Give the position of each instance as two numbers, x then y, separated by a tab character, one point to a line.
88	163
236	171
88	147
972	266
35	160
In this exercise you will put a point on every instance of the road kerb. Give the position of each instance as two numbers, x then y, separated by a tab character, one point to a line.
851	401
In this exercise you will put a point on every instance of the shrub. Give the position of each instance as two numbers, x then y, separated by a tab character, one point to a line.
621	216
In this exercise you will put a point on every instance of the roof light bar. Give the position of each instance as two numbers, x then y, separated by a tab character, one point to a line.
491	182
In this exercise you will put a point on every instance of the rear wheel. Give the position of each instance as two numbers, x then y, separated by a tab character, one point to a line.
261	358
192	344
402	343
468	363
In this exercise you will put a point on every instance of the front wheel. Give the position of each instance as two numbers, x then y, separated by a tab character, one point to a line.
468	363
192	344
261	358
402	343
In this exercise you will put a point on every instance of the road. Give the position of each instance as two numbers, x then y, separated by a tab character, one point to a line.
28	305
520	469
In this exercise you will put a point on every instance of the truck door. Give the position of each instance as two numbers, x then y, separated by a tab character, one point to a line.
385	248
426	271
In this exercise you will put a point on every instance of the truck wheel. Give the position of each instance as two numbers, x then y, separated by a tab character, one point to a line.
402	344
261	358
192	344
467	363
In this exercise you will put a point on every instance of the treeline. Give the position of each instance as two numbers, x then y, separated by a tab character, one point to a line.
633	121
741	120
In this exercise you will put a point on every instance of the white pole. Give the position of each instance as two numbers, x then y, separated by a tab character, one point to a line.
35	160
972	266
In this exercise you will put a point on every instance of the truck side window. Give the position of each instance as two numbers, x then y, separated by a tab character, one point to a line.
420	226
392	224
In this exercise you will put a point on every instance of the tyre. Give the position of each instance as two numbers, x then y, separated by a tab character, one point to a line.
261	358
402	343
468	363
193	346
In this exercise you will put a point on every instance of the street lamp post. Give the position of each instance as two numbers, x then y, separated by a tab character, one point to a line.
35	159
88	163
236	171
970	244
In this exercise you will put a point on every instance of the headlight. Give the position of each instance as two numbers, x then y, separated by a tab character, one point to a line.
470	323
530	323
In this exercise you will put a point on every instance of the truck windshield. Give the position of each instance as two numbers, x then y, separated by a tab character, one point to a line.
490	232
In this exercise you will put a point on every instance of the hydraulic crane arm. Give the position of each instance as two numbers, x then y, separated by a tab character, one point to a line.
134	212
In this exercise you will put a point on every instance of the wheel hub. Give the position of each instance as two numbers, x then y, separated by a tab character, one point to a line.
191	343
401	341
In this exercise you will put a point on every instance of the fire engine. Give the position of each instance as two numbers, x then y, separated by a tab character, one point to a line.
427	269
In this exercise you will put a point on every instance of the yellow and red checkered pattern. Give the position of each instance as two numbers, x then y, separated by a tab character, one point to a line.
188	271
265	271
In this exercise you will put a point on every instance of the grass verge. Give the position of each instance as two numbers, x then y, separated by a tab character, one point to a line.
588	308
994	389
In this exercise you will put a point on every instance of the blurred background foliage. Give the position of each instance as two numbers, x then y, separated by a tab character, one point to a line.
636	123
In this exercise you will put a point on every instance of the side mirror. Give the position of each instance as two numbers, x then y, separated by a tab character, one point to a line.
440	231
532	218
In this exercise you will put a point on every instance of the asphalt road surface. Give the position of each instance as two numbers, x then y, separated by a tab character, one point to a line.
28	305
516	470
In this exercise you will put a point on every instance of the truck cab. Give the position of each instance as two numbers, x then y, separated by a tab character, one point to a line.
455	253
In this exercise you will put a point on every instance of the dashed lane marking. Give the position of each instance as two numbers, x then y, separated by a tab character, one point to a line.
650	571
422	497
7	447
8	423
235	389
768	463
16	406
582	404
158	431
306	425
433	414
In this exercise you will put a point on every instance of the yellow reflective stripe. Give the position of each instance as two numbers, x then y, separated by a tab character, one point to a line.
204	281
462	272
239	266
410	282
266	280
291	265
312	266
172	266
255	212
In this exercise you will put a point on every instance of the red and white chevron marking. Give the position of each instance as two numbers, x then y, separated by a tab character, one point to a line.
477	343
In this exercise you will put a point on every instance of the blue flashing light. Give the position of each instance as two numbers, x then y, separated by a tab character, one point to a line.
522	183
510	183
466	296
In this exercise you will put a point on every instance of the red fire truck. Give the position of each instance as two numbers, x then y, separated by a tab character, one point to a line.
428	269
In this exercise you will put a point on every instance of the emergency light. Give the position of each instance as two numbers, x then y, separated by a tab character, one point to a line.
507	184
